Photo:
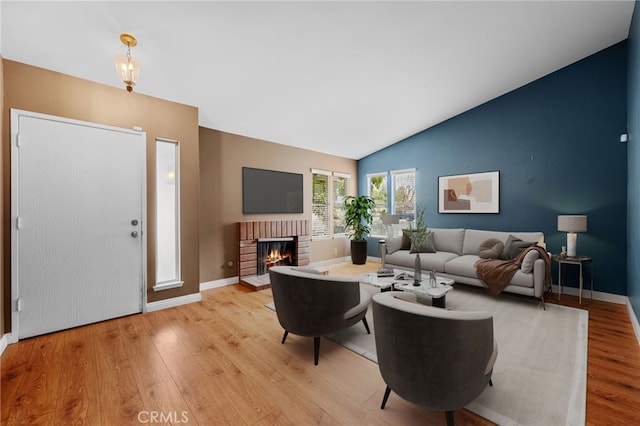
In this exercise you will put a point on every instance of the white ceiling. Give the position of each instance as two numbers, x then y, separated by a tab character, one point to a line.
344	78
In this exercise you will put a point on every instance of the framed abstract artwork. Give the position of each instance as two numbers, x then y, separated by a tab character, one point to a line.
469	193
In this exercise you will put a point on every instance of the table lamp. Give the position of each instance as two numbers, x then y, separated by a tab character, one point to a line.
388	220
571	224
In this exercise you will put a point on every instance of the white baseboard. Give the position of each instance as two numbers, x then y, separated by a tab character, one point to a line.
174	301
218	283
634	320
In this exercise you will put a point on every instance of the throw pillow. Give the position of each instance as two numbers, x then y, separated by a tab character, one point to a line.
428	246
393	244
406	242
529	259
514	246
491	249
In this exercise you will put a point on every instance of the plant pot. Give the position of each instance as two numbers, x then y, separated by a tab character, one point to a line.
359	252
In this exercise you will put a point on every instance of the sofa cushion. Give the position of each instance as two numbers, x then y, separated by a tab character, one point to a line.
428	261
406	241
427	246
393	244
530	236
474	237
464	265
528	261
449	240
514	246
491	249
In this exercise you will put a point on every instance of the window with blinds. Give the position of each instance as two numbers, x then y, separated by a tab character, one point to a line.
320	216
340	191
327	209
403	187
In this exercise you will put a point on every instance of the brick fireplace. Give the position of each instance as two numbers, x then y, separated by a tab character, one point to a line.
252	234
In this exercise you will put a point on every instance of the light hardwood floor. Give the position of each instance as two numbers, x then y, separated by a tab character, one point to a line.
220	362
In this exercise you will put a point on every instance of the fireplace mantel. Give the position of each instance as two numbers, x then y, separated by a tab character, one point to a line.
250	232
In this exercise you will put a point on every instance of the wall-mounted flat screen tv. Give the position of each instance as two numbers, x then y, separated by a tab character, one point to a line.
270	191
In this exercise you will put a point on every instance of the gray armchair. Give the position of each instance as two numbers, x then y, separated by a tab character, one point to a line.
313	305
433	357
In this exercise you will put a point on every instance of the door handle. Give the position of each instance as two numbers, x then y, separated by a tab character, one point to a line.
134	234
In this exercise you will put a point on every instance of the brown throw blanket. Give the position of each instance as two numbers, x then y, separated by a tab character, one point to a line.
497	273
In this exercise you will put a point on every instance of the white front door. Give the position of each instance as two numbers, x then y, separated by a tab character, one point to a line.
78	202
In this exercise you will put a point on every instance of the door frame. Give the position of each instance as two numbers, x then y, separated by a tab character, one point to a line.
12	337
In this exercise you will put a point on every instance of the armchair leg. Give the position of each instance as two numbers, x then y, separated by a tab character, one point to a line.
450	420
366	325
387	391
316	349
286	333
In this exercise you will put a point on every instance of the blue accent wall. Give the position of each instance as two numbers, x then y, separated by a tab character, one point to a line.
633	188
556	144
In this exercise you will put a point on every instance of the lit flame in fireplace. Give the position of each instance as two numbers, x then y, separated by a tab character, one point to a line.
275	257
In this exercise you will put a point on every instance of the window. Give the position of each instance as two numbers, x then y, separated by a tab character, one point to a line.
327	210
340	191
320	204
377	187
403	187
167	215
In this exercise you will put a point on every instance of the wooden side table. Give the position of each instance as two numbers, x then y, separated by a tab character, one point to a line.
574	260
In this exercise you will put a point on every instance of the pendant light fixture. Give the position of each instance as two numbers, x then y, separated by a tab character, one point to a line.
128	68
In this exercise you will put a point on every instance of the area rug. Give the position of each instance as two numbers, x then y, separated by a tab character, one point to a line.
540	375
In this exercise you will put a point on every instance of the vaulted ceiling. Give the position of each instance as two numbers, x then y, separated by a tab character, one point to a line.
344	78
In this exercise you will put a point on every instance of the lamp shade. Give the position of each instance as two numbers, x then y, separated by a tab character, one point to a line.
390	219
572	223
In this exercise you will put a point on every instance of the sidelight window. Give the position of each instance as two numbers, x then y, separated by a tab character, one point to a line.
167	215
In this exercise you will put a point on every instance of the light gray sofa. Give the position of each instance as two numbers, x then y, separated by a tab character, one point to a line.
456	253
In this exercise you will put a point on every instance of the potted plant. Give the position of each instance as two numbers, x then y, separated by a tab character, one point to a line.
418	235
358	218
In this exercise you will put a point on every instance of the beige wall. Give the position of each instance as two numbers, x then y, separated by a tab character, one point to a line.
222	156
43	91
